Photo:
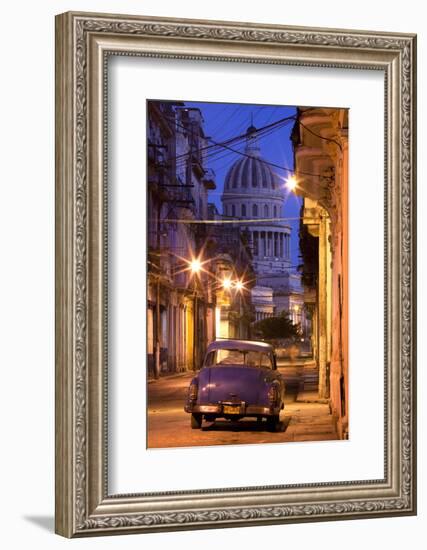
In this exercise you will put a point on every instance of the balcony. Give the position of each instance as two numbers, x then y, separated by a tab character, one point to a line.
180	195
209	179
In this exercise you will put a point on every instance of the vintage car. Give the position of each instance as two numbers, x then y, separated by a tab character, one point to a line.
239	378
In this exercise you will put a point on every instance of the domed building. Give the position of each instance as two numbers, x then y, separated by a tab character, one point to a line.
252	191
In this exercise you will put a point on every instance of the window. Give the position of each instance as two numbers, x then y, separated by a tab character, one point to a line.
239	357
243	210
275	211
266	360
255	210
265	211
233	210
210	359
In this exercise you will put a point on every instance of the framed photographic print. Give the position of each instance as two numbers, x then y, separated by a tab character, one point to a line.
235	274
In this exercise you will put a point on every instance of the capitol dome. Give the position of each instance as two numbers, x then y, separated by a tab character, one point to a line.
251	171
252	192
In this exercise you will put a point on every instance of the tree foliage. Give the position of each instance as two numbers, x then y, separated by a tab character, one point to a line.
276	327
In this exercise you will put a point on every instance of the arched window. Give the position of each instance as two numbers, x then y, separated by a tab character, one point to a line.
233	210
255	210
243	210
275	211
265	211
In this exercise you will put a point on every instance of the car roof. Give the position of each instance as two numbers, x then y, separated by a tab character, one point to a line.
250	345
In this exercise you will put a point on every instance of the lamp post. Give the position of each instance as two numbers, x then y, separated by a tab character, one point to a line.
239	286
195	268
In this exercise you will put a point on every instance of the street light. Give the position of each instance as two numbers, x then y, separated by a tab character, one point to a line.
239	286
291	183
227	283
195	266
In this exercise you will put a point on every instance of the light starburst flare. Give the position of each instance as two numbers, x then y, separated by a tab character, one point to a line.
291	183
226	283
195	265
239	286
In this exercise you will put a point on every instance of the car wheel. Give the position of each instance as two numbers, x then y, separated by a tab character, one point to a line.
196	421
273	423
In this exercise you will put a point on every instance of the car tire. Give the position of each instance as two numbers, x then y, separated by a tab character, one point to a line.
273	423
196	421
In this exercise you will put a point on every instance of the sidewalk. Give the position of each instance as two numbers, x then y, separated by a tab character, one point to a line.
310	421
309	417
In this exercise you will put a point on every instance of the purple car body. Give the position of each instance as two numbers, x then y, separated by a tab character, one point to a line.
238	379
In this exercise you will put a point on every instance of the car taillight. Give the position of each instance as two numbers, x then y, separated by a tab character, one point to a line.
273	395
192	392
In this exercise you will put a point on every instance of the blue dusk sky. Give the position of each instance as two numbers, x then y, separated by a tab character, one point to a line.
223	121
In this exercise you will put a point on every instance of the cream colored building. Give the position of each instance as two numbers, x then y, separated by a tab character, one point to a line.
321	165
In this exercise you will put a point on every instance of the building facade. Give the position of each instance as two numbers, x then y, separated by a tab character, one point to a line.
184	304
320	140
177	302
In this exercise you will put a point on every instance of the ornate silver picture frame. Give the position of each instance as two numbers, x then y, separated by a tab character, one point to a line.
84	43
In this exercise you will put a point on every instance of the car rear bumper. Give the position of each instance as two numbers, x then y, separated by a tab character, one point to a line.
241	409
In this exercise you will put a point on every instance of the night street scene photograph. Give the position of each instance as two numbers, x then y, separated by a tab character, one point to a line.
247	273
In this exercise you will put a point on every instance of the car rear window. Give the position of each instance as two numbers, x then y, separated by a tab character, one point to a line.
238	357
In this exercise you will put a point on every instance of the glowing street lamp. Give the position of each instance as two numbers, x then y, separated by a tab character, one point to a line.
195	266
239	286
291	183
226	283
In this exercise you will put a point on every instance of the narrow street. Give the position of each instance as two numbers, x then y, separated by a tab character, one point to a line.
246	250
304	418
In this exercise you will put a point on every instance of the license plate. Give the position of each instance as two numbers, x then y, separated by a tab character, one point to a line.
231	409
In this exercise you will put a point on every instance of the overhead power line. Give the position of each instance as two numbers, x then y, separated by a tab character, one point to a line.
236	221
225	145
229	140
